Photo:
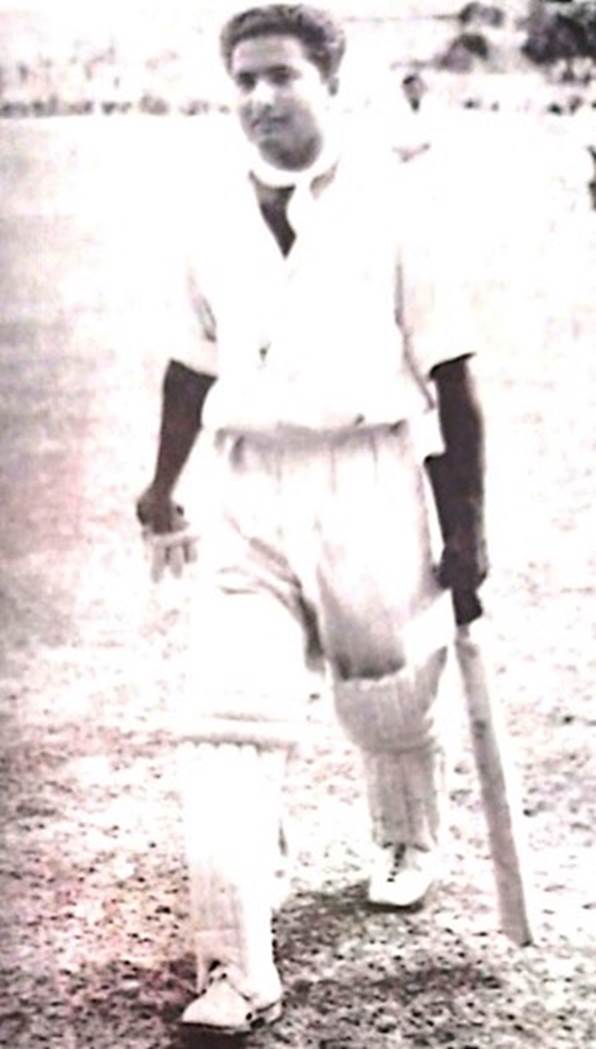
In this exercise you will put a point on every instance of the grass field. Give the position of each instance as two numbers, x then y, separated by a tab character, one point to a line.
93	924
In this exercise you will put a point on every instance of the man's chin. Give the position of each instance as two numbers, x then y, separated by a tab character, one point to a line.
275	154
270	149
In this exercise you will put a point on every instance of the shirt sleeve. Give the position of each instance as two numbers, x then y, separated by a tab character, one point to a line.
190	335
202	350
440	267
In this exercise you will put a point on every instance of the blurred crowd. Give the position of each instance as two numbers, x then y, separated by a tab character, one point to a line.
549	59
101	81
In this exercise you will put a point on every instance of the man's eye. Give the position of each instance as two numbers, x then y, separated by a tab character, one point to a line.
245	82
279	77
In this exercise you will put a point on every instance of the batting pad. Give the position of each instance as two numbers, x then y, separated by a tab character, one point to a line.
397	722
406	796
232	795
394	713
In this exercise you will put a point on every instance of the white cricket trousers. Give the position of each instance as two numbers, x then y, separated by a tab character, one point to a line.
319	541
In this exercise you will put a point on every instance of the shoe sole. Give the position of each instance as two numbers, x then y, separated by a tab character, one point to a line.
268	1014
408	908
413	906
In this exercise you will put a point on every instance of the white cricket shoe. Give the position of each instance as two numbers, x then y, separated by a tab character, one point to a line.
401	875
225	1010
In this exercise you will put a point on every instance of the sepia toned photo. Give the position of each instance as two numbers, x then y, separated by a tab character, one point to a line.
297	517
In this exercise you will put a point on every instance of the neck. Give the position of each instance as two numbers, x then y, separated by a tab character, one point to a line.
270	175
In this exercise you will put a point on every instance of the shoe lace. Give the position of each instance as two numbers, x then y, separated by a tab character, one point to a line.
397	857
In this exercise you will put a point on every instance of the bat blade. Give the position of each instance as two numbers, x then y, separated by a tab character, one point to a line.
500	794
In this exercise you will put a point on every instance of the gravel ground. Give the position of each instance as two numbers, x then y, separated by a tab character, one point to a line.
94	917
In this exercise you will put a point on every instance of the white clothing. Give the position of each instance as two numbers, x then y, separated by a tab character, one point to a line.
316	338
319	544
318	540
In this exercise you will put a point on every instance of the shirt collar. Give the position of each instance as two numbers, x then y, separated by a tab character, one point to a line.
312	178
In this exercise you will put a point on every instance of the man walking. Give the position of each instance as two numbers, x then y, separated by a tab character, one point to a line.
325	379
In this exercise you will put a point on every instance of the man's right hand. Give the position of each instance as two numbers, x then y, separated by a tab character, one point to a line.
166	532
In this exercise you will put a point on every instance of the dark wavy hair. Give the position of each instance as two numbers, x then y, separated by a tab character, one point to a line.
322	36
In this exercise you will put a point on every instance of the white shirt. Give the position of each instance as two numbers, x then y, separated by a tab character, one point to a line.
318	338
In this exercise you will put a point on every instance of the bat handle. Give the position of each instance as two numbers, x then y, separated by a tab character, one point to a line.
466	605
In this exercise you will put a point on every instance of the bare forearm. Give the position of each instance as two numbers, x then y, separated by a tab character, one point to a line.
459	473
183	396
457	479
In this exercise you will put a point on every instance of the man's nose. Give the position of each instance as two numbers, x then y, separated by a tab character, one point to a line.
263	95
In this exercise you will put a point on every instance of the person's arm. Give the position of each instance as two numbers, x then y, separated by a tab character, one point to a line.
183	395
457	478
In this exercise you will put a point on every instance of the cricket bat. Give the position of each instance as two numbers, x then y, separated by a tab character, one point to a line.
500	795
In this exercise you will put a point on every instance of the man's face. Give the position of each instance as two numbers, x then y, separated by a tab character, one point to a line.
282	99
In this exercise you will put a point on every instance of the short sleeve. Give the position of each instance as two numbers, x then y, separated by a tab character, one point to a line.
203	330
188	327
440	267
190	335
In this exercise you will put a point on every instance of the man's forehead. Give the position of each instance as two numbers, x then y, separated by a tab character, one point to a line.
267	50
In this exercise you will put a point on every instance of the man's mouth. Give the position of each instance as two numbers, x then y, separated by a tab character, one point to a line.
267	125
